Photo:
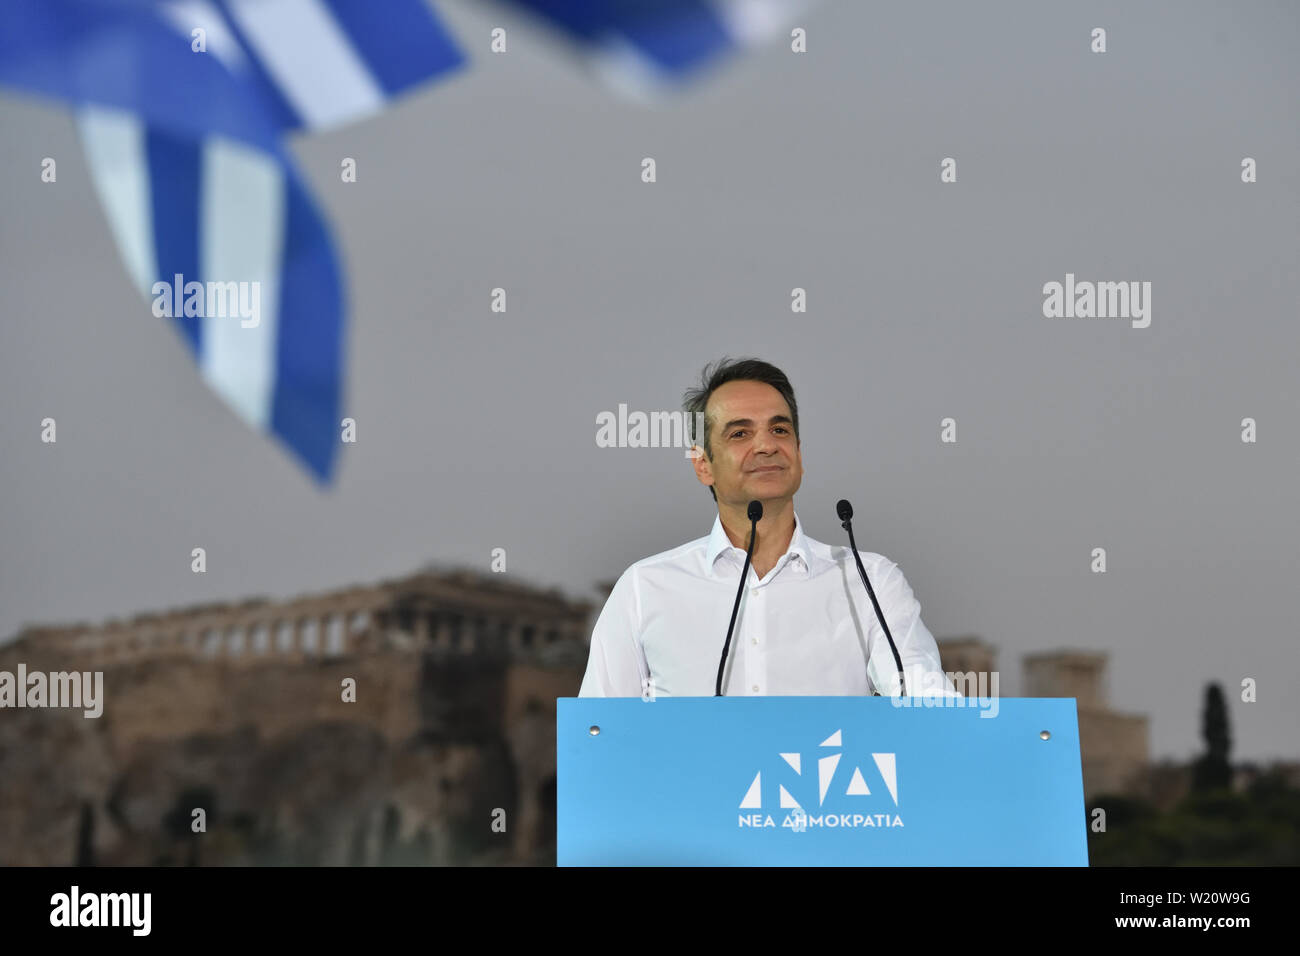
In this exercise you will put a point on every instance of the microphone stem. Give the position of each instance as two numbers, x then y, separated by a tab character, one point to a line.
744	572
853	545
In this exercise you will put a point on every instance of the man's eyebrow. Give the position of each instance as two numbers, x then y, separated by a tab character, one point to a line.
775	419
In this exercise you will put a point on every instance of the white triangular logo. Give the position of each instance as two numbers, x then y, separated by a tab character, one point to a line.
889	771
857	786
825	770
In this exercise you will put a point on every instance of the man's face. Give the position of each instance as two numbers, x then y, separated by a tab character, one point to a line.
755	452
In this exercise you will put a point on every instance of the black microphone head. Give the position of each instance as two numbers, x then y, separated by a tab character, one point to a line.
755	511
844	509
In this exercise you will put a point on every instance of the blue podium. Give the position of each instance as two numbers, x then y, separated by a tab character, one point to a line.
802	781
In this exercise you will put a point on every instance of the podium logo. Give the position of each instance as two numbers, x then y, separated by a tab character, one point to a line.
833	780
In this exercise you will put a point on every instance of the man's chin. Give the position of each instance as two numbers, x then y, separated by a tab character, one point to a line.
766	491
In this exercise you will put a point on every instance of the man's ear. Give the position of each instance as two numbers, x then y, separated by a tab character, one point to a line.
703	467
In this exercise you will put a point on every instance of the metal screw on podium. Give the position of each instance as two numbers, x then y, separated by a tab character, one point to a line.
594	730
1045	734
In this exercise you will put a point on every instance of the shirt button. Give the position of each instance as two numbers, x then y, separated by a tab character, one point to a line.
755	688
753	592
753	640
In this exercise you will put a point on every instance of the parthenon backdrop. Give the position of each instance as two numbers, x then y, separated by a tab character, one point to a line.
240	709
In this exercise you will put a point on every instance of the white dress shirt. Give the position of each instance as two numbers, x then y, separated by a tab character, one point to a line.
807	628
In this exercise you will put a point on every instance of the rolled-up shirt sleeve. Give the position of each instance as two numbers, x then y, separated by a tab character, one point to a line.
922	668
616	665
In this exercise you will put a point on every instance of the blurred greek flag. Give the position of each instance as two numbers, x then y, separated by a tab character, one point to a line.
186	149
644	48
183	107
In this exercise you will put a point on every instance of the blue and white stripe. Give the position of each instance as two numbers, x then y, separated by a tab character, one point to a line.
643	47
187	155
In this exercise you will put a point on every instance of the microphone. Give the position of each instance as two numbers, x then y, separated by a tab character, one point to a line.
754	513
845	512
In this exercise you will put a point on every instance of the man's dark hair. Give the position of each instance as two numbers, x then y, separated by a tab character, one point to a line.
719	373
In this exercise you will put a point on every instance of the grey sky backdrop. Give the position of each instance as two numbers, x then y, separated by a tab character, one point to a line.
477	430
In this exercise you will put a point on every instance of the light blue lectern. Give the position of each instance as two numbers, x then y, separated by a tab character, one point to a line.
840	781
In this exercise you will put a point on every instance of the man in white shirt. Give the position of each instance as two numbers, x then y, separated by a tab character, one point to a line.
806	625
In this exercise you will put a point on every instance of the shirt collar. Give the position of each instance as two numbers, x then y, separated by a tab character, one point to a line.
801	546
